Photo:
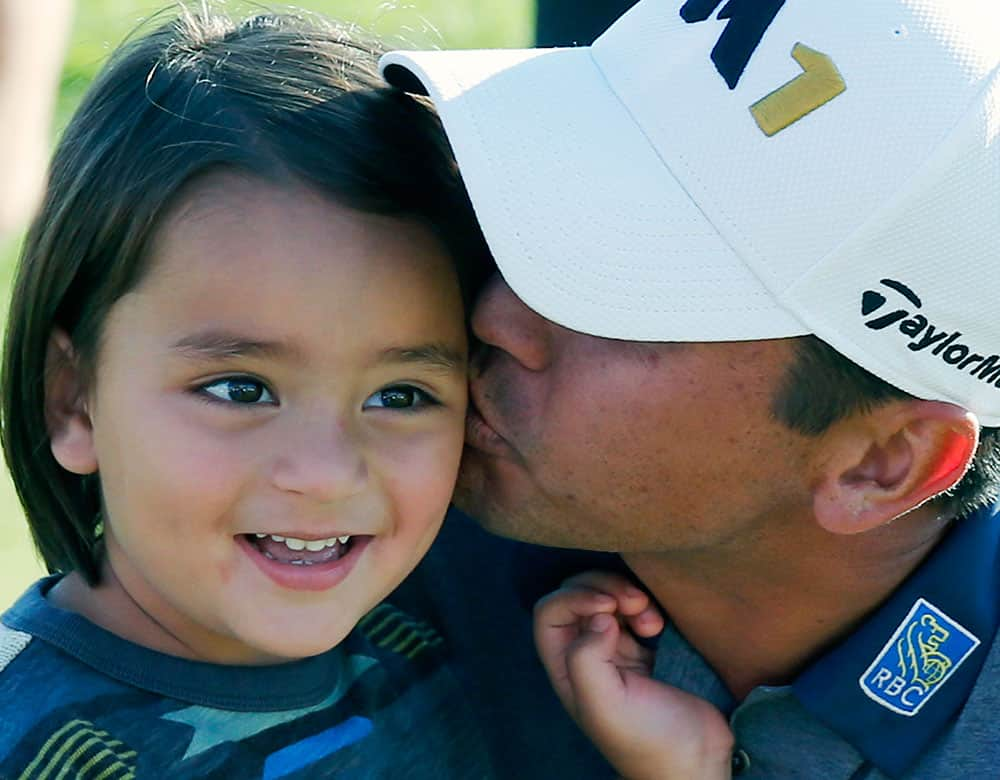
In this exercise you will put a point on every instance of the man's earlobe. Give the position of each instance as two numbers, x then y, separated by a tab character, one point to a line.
66	416
892	461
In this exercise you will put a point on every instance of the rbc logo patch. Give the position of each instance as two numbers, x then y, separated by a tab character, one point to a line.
924	652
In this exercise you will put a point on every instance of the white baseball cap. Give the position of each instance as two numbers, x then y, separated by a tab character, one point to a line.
717	170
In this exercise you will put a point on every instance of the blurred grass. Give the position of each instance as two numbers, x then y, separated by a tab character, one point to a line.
100	24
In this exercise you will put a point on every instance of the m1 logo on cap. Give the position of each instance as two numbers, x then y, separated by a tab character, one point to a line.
924	335
917	660
748	20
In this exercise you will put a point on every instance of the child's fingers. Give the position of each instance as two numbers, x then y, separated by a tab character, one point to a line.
631	600
560	618
631	654
591	667
634	607
649	622
570	604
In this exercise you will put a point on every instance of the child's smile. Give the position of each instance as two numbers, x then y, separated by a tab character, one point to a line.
307	563
277	418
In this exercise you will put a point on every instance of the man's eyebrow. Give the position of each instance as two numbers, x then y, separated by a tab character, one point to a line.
223	345
440	356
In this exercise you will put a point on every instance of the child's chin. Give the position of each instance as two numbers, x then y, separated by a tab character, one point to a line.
288	643
302	647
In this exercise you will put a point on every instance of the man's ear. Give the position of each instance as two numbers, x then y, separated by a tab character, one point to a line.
882	464
67	419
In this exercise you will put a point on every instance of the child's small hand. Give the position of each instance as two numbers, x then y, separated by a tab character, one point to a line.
602	675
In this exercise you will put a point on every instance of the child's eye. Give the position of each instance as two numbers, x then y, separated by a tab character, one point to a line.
399	397
239	390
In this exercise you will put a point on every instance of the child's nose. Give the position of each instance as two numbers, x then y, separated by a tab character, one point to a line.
321	460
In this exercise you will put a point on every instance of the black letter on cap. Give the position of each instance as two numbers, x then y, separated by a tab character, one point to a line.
748	21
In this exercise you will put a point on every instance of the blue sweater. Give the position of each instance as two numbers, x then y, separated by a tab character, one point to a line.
78	702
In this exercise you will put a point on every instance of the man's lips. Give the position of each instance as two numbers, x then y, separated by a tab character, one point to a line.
480	433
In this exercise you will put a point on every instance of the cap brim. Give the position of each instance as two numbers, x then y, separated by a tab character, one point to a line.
586	221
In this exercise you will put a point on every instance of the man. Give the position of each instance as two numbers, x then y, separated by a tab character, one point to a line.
744	335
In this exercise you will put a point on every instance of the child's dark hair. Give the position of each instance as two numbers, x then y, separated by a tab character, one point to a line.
287	98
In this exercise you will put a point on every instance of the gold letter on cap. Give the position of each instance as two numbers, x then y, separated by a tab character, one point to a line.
819	83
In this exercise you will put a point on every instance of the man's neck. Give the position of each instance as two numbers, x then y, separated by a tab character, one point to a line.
760	615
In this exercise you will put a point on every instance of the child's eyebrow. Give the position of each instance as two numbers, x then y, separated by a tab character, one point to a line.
220	345
440	356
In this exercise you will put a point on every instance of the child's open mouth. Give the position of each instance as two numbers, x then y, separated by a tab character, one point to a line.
304	564
300	552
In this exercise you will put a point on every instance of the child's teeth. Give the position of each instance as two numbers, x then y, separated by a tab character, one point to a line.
313	545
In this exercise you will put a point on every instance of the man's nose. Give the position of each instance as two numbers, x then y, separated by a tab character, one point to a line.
502	320
321	460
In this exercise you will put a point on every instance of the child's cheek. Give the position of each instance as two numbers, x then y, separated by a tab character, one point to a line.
421	471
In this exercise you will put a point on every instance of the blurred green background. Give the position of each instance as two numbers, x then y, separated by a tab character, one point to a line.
100	24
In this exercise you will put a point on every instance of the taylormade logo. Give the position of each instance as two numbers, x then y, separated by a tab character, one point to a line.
925	335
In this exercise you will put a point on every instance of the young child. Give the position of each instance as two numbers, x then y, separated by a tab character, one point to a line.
587	633
233	406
